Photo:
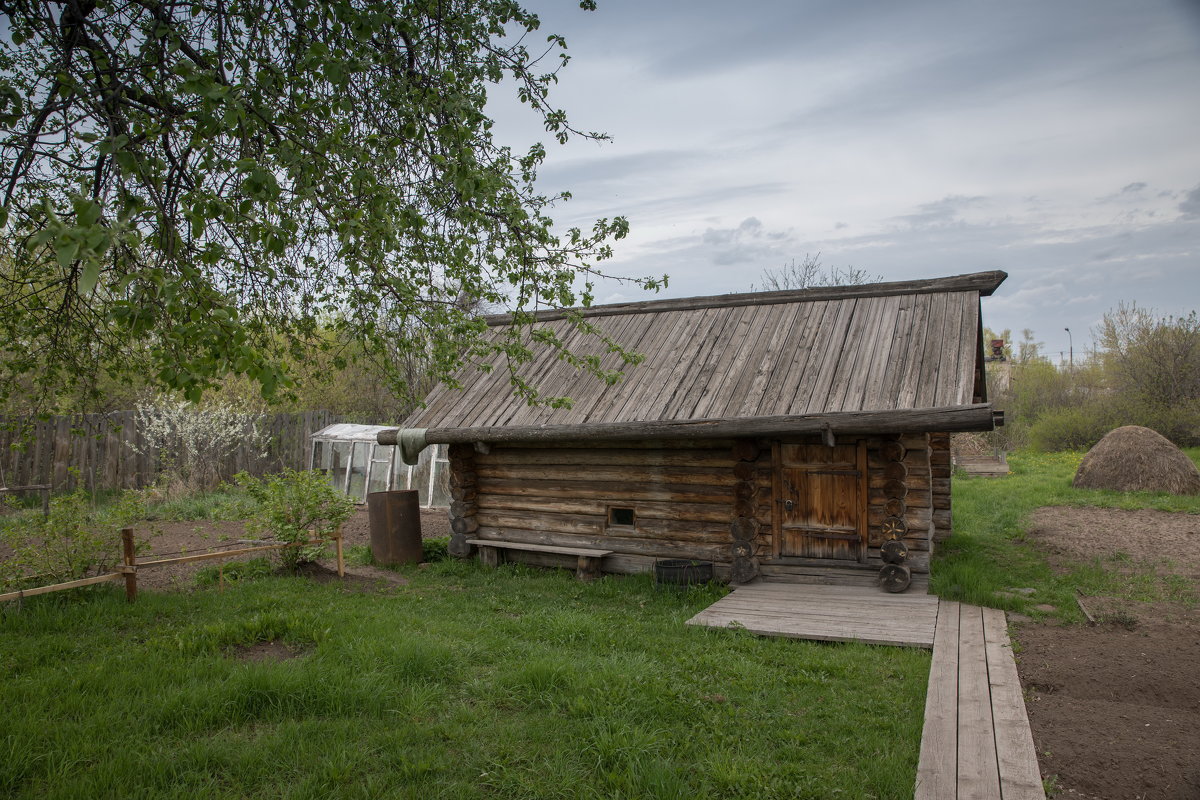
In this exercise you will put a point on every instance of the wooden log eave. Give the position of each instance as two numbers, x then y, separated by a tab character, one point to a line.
978	417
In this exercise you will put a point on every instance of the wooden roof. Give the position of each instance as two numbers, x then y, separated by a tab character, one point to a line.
828	353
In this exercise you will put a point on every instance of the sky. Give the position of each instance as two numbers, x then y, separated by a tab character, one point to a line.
1057	141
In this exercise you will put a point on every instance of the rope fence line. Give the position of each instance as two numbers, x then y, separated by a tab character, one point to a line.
130	566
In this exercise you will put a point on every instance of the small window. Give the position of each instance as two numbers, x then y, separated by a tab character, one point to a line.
620	516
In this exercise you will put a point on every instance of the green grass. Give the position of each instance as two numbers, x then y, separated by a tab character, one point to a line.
225	503
988	552
465	682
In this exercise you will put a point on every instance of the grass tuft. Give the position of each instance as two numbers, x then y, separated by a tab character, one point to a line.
988	555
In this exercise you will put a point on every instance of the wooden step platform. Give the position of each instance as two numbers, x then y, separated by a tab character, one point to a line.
993	466
826	613
976	742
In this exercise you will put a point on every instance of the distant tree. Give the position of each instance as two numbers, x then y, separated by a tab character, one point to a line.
197	188
809	272
1029	349
1152	357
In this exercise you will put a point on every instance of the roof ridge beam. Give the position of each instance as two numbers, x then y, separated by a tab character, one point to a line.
982	282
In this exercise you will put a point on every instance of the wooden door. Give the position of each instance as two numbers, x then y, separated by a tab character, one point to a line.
820	501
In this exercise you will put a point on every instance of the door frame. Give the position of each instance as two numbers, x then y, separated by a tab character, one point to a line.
777	499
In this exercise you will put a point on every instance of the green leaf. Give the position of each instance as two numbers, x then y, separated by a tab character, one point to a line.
89	277
66	249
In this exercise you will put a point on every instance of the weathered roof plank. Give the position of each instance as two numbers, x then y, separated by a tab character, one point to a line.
889	347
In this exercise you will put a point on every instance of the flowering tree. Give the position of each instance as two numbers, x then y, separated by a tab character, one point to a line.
192	443
197	188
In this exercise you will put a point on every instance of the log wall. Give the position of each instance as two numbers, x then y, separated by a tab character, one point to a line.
681	492
703	499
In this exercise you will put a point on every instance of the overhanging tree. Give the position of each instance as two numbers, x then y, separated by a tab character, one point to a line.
196	188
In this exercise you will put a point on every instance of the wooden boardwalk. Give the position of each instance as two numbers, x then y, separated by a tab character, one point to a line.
826	613
976	742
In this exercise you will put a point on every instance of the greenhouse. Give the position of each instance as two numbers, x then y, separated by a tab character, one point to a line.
357	464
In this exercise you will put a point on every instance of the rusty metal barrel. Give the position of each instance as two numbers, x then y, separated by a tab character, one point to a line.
395	527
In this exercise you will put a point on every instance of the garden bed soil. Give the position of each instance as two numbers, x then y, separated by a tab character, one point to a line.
165	539
1115	707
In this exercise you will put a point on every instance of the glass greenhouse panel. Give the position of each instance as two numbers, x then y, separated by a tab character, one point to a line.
320	456
441	484
339	461
380	470
358	472
400	474
420	479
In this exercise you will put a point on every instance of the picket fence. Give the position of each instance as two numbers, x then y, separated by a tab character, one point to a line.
102	451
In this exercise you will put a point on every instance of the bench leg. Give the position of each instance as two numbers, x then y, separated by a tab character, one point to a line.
489	556
588	568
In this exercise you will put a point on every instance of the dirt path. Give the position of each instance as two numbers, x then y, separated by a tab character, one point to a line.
1115	708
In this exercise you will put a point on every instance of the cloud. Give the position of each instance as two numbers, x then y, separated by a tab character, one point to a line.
1137	186
940	213
747	243
1190	207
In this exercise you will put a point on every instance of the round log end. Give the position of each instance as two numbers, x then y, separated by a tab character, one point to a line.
895	578
893	552
893	527
894	451
743	570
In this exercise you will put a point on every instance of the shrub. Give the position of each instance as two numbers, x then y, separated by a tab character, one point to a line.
1180	424
291	505
1069	429
73	541
435	549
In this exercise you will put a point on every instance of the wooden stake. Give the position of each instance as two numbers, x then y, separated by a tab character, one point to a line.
1079	601
337	543
130	561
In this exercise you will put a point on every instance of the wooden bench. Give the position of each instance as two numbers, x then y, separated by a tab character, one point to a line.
587	567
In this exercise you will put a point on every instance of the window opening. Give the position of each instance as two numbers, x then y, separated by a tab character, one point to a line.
621	516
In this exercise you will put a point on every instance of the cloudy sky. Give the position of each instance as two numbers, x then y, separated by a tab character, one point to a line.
1058	141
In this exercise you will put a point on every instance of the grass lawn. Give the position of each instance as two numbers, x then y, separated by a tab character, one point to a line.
466	682
988	553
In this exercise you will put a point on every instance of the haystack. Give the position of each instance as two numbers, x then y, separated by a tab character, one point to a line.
1137	459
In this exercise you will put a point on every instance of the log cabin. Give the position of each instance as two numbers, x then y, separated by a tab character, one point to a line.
792	435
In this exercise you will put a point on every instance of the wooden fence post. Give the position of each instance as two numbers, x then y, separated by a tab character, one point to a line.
341	562
130	564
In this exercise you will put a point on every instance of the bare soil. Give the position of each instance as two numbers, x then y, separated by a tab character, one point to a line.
1115	707
267	651
165	539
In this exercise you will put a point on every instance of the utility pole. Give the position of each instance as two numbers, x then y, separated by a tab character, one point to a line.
1071	347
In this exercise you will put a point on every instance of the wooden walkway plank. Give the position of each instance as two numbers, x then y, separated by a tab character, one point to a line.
826	613
1020	777
937	770
978	777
